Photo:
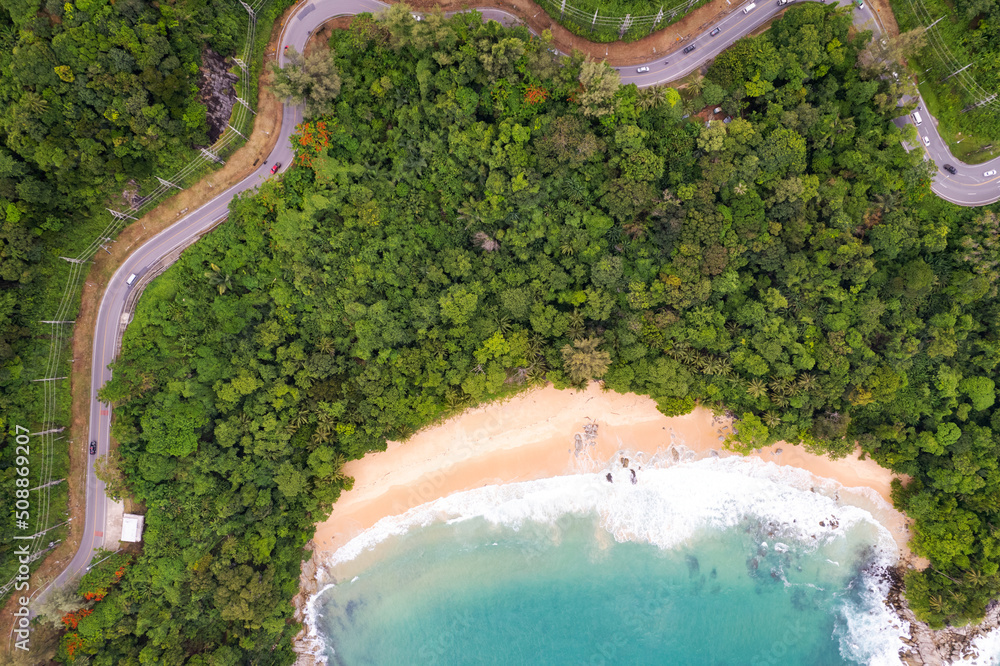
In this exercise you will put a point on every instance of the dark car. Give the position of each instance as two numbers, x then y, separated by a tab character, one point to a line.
688	49
274	169
715	32
950	169
93	447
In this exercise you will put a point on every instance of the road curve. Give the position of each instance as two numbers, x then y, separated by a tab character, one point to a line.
966	188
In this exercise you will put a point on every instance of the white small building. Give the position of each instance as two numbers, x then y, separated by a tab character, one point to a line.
132	527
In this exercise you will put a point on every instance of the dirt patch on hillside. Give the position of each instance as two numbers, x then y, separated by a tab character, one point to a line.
884	11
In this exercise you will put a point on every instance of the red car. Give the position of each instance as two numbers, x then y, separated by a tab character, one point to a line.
274	169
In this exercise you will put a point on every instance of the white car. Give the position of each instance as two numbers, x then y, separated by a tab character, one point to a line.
927	141
991	172
642	69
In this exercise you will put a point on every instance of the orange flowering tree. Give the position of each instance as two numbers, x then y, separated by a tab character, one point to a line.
72	620
69	646
534	94
311	139
95	584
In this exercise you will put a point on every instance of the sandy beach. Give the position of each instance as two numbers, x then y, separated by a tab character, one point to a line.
532	437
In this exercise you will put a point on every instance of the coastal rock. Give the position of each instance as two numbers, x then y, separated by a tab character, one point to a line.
930	647
308	650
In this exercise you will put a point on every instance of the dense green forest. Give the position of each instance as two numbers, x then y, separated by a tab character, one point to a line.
96	97
477	215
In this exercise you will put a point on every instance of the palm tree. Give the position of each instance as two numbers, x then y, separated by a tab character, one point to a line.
685	355
338	475
325	346
757	388
218	279
772	420
807	383
503	323
583	360
975	578
536	346
452	399
35	103
780	386
650	98
576	323
301	418
696	86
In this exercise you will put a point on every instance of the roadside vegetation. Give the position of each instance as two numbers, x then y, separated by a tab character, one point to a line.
99	98
476	216
968	34
618	20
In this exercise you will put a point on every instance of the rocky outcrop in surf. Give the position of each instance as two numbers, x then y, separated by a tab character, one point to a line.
929	647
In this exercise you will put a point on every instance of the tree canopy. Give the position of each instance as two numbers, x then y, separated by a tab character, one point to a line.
472	218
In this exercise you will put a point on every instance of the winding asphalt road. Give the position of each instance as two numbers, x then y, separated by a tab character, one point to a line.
967	188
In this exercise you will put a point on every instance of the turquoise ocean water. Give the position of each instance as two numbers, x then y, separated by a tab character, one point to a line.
709	562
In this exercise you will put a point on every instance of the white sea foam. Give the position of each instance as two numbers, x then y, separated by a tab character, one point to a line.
666	509
986	649
668	506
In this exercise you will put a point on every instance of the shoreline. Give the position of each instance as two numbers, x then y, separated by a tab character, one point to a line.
531	436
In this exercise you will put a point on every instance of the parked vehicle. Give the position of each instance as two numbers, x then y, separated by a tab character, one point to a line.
715	32
93	447
274	169
642	69
749	8
950	169
688	49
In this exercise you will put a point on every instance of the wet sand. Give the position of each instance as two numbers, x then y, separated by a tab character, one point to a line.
532	437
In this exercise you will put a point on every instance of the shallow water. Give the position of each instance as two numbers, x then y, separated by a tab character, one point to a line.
711	562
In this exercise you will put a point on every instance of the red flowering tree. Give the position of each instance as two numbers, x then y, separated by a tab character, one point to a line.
69	645
103	576
72	620
535	94
311	139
